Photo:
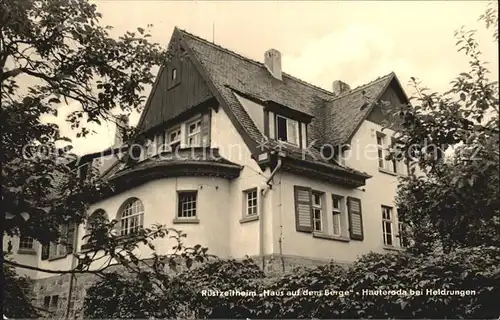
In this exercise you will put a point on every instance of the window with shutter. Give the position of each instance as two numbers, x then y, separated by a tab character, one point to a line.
303	209
355	218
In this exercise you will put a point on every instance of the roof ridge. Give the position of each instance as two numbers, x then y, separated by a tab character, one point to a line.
260	64
364	85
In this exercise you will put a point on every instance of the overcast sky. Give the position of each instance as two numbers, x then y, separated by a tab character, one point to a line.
320	41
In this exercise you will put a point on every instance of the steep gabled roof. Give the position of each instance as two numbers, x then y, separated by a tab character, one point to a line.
348	110
230	70
335	118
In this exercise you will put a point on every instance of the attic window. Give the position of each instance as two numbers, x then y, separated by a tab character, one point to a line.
287	130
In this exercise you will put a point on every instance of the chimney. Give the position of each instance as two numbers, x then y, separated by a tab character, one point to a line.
121	125
340	87
272	60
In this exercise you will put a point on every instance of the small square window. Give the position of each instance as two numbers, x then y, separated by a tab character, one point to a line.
26	243
187	205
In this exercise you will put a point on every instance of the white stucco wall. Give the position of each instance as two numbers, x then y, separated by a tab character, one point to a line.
22	258
381	189
304	244
244	237
220	205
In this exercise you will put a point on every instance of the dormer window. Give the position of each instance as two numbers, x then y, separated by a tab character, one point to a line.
287	130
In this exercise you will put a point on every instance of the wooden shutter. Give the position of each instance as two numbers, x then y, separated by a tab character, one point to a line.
205	129
303	209
355	218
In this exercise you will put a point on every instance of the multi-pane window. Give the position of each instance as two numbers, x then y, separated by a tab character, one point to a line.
174	138
187	205
317	211
337	215
398	159
131	217
63	246
287	130
194	133
26	243
380	151
387	225
251	202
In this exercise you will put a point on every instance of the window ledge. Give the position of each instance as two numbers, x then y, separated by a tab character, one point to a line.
330	237
186	221
391	248
249	219
388	172
26	251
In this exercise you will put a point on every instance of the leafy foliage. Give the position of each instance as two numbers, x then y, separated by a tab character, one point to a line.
56	56
15	300
54	53
455	202
475	269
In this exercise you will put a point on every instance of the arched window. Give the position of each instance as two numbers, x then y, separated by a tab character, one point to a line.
131	216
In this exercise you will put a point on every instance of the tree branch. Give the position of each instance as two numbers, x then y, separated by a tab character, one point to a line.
74	271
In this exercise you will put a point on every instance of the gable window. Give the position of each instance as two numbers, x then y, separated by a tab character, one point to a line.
380	150
25	243
187	205
317	211
250	203
174	138
194	133
337	215
287	130
387	223
131	217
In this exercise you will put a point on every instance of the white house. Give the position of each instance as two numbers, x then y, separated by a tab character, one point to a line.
248	160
